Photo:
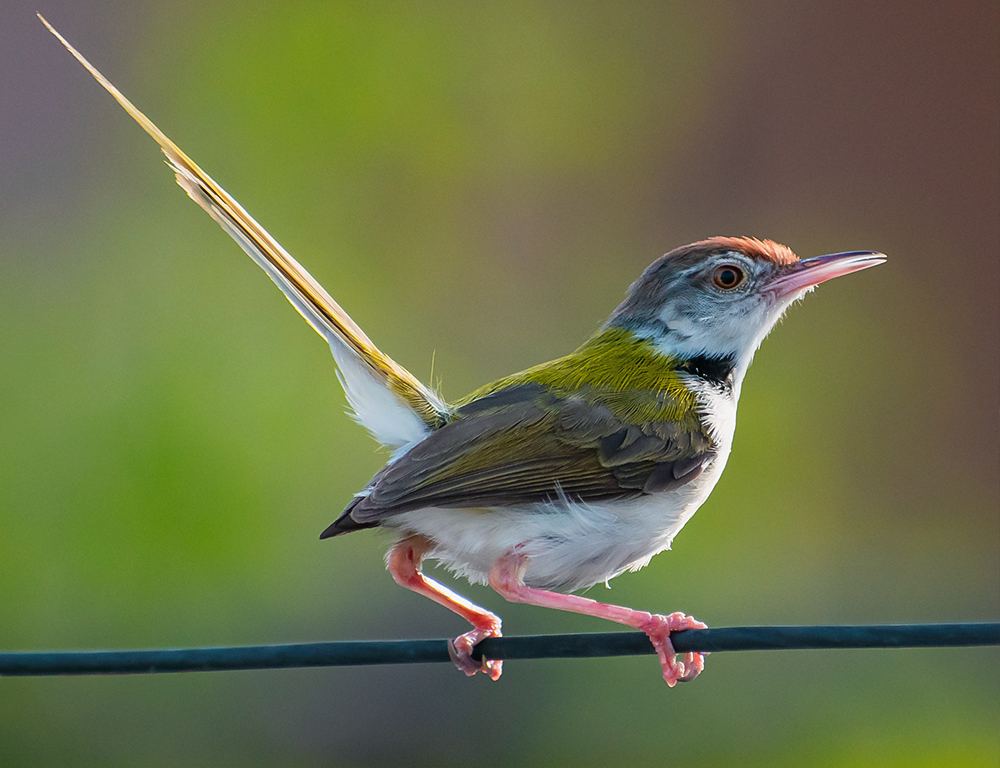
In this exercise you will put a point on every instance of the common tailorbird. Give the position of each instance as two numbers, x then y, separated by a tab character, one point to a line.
569	473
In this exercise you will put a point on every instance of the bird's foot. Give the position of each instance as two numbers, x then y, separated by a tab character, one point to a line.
676	668
460	650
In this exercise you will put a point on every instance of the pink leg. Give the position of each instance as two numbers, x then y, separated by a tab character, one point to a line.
404	565
507	578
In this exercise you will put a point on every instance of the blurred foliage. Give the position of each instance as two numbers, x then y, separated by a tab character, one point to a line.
477	185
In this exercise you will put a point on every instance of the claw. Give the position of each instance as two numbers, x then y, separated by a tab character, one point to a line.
460	649
404	565
676	668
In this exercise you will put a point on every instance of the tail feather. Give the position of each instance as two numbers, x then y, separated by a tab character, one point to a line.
388	400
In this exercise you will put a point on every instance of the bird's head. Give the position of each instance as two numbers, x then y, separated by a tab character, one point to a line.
718	298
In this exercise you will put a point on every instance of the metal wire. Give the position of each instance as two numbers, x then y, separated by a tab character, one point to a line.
42	663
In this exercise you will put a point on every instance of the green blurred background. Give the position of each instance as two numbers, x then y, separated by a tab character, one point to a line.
478	186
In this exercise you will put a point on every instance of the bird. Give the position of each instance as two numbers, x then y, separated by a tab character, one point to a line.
572	472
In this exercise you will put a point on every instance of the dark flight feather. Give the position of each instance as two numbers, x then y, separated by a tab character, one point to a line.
525	444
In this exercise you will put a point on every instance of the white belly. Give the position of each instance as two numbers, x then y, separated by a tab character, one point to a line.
570	545
574	545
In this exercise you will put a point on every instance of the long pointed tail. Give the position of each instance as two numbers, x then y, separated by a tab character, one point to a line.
388	400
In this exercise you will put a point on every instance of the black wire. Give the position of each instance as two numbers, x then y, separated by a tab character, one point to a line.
35	663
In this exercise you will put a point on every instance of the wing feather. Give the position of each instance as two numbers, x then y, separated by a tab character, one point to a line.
533	447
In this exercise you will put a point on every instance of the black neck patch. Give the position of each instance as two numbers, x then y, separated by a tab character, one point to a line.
717	371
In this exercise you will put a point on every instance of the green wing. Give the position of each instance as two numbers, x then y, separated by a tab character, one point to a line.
526	443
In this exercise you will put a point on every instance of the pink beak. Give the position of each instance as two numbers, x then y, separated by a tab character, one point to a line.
811	272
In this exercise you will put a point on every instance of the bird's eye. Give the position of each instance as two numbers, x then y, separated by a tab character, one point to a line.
728	276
